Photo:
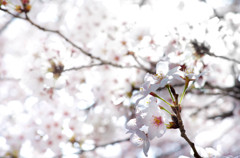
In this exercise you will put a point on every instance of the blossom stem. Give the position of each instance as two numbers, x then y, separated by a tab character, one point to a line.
155	95
168	87
184	91
162	108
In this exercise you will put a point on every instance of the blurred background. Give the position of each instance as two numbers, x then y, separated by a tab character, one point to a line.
69	71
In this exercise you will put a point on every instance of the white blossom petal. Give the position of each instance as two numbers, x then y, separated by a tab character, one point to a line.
162	67
146	146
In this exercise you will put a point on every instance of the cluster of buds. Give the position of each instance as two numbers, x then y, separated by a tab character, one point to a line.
200	48
56	69
152	118
26	7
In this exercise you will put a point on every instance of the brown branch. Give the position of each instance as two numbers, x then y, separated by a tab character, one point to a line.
222	116
202	49
236	96
94	65
183	134
103	62
138	62
82	67
205	107
210	89
226	89
111	143
15	15
97	146
177	120
62	36
142	2
222	57
9	79
173	151
6	25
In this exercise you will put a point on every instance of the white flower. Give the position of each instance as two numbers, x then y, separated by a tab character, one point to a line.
138	137
154	120
148	124
142	138
187	72
146	89
162	77
132	126
163	74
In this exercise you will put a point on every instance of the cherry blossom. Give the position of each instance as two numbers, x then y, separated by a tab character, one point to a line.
76	75
154	119
138	137
162	77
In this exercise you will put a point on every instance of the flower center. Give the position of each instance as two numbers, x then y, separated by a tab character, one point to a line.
189	71
157	121
160	76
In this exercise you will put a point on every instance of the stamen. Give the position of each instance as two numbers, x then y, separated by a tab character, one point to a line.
157	120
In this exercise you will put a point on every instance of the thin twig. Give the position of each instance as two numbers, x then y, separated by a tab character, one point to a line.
173	151
205	107
222	57
6	25
104	62
94	65
142	2
97	146
236	96
82	67
226	89
138	62
202	49
222	116
15	15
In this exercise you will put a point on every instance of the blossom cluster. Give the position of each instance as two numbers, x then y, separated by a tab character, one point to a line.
152	118
75	74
